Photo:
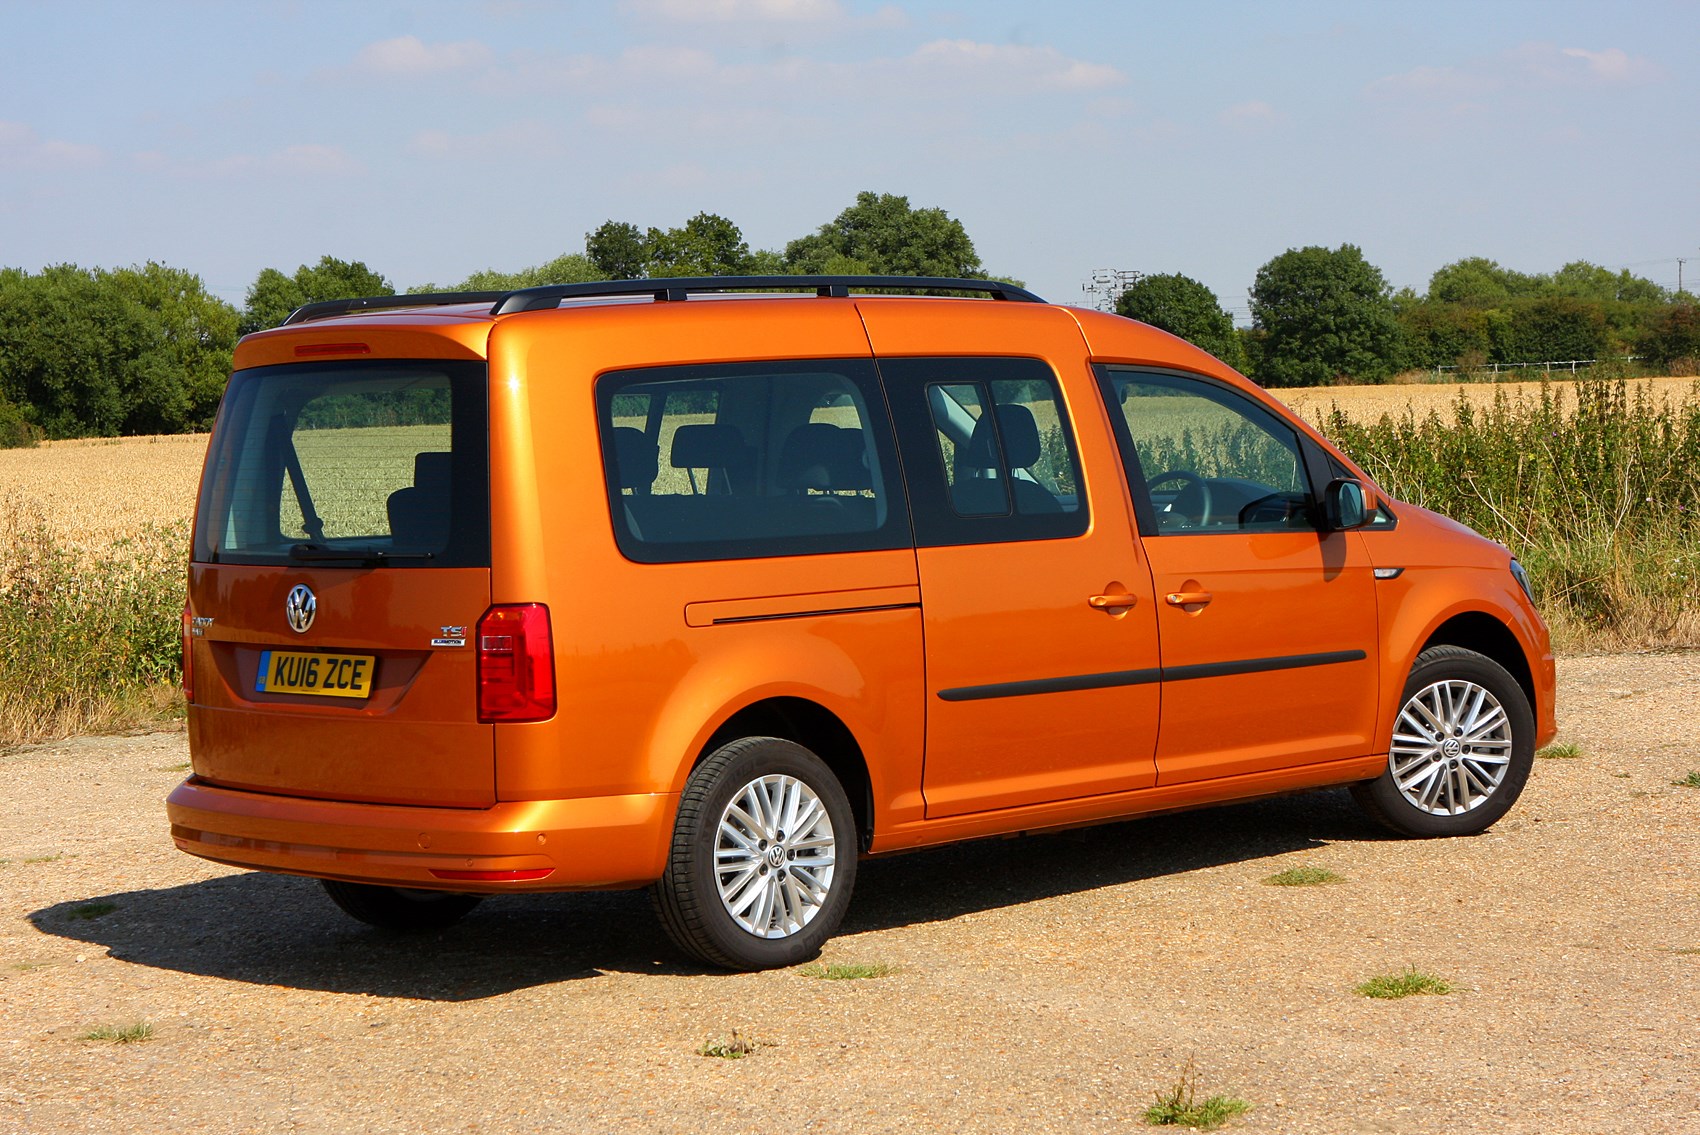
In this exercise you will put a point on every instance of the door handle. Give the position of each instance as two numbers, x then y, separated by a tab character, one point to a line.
1188	598
1111	602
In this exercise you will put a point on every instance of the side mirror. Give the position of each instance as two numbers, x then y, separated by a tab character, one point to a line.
1344	505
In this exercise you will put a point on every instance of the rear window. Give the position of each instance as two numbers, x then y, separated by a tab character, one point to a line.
359	463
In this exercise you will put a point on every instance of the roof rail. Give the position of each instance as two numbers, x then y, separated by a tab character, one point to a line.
324	309
670	289
534	299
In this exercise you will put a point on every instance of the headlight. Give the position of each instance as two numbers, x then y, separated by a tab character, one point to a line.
1522	578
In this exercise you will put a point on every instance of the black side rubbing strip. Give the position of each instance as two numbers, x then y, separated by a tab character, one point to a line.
1146	677
811	614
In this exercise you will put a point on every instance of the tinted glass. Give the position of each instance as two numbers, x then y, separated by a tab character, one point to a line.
749	460
988	450
1206	458
382	462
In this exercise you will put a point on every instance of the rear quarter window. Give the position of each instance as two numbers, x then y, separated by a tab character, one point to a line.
749	460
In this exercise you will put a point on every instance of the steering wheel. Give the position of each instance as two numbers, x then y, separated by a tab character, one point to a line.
1192	502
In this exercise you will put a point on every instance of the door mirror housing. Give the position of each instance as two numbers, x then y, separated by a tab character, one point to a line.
1345	505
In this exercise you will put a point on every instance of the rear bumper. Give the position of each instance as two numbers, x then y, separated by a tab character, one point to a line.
591	843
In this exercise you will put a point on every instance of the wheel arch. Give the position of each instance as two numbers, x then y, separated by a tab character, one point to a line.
817	729
1487	636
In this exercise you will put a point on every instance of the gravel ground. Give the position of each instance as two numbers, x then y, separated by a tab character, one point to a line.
1044	984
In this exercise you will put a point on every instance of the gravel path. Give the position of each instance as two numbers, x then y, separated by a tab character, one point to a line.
1043	984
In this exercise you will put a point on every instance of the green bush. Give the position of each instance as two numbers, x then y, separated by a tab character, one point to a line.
17	431
1601	501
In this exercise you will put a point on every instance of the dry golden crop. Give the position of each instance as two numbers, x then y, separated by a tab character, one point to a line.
97	490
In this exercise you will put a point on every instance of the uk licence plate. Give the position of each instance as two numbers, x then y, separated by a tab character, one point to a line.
320	675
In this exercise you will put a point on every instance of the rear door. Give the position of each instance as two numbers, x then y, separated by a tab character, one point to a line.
1268	625
342	559
1041	650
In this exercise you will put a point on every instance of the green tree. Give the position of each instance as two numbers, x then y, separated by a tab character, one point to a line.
1446	334
273	295
1479	281
618	251
568	268
1582	280
1327	316
882	234
1673	338
705	245
1182	306
94	352
1553	329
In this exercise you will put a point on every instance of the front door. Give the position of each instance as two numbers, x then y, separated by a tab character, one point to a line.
1267	625
1040	629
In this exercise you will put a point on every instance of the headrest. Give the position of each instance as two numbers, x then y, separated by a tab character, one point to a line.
432	471
636	459
819	455
708	446
1020	440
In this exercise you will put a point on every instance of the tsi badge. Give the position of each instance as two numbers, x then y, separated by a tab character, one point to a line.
300	608
451	636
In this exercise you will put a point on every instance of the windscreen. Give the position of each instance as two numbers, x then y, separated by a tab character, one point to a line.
369	463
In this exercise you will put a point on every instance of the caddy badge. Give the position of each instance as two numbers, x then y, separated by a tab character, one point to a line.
300	608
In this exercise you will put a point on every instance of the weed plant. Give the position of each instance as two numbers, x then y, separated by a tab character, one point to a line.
1392	986
1304	877
846	971
1179	1105
1560	751
1600	500
89	638
121	1034
735	1047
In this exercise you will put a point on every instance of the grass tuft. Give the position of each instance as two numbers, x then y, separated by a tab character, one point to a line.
847	971
1692	780
1561	751
1179	1105
735	1047
1304	877
121	1034
1410	983
90	910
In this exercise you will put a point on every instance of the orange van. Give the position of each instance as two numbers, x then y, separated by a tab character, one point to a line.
716	585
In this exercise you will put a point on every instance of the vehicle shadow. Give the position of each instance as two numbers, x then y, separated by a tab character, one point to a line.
279	930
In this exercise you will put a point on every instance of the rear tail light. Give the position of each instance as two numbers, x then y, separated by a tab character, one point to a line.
516	664
188	659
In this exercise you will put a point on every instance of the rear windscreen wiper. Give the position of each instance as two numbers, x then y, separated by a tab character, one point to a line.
326	553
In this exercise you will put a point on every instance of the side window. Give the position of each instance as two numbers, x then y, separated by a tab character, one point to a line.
988	450
1204	458
748	460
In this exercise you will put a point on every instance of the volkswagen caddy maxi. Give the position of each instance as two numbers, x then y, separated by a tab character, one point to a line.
715	586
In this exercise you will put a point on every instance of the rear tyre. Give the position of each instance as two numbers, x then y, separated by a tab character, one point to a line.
763	857
1463	744
397	909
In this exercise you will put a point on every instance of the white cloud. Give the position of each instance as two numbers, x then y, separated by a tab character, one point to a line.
21	148
737	11
1254	115
409	56
304	160
1529	65
514	139
1016	64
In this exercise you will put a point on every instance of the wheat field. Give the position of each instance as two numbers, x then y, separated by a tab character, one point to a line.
96	490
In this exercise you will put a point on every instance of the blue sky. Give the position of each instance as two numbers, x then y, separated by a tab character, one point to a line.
433	139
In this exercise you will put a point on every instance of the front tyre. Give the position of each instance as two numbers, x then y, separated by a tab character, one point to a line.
763	857
1463	744
399	910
